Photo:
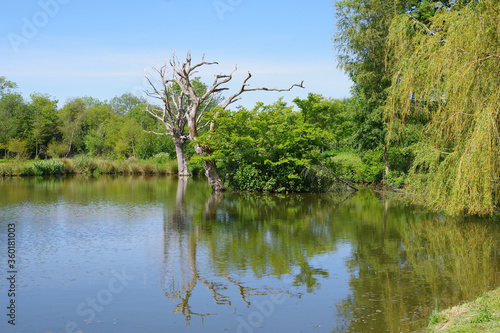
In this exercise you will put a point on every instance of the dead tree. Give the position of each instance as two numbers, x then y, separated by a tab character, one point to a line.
182	104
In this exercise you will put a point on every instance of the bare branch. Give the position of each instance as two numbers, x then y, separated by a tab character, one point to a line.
243	88
153	132
203	62
205	125
207	104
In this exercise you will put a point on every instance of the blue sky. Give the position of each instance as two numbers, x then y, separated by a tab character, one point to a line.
73	48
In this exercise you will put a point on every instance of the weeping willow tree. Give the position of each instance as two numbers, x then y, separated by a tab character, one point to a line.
448	71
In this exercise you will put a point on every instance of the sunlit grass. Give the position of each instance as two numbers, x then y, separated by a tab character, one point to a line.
481	315
86	165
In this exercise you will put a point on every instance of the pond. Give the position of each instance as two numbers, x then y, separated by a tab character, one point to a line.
161	254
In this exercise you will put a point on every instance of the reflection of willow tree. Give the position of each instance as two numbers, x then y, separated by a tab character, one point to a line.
396	279
246	234
379	280
454	253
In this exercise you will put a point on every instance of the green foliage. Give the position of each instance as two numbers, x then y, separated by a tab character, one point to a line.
396	179
352	166
18	148
95	142
6	84
330	116
265	149
447	72
125	103
162	158
71	117
363	26
48	167
57	149
480	315
45	122
129	135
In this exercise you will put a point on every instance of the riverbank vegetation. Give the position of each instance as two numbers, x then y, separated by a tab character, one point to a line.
480	315
423	115
160	164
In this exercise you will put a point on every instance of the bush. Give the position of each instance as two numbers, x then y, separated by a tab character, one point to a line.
249	178
46	167
84	164
366	168
57	149
161	158
396	179
18	147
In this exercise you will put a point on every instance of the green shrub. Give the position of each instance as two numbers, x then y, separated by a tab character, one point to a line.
57	149
84	164
247	177
18	148
48	167
396	179
69	166
161	158
5	170
351	166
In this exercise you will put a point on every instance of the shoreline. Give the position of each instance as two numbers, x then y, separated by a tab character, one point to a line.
479	315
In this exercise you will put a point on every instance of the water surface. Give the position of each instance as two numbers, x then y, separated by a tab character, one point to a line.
158	254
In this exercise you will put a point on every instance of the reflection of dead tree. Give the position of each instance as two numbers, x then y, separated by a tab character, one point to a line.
212	204
182	274
248	291
176	219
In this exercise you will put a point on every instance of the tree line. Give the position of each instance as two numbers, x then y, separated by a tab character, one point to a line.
37	128
423	114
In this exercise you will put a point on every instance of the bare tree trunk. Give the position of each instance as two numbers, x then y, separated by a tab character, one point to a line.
210	170
213	176
181	158
210	167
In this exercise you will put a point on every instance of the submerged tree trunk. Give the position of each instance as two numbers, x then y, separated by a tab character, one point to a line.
213	176
210	170
210	167
181	157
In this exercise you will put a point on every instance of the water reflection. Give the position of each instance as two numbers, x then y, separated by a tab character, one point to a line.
182	270
401	262
346	263
400	271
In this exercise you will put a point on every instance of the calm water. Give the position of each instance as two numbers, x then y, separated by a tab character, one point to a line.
160	255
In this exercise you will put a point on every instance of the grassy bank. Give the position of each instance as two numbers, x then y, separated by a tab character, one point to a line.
481	315
83	164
